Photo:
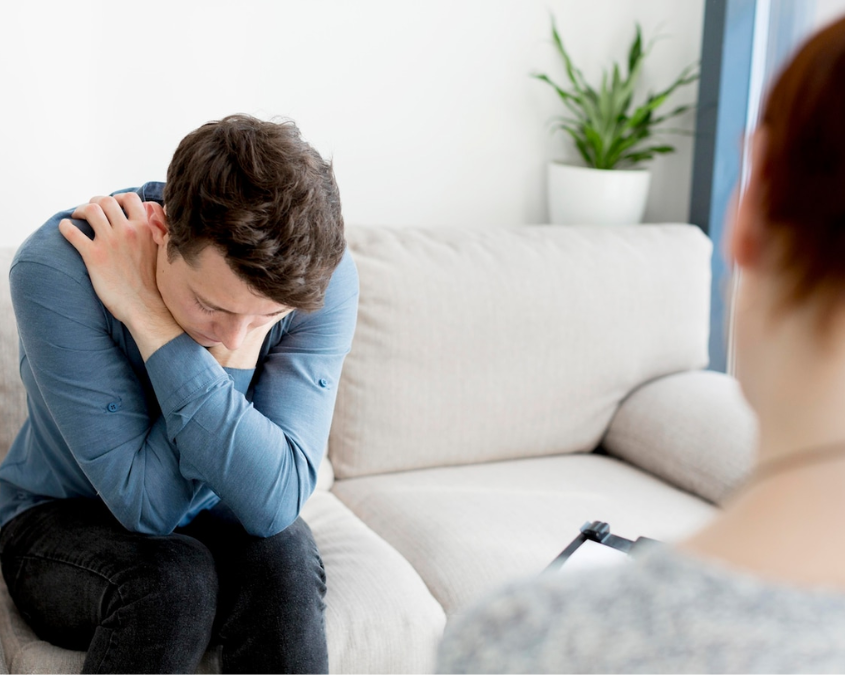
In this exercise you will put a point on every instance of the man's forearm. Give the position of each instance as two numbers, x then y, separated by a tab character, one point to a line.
152	329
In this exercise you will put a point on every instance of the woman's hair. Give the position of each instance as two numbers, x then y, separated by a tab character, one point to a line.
262	196
803	170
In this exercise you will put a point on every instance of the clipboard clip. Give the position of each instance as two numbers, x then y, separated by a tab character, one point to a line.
599	532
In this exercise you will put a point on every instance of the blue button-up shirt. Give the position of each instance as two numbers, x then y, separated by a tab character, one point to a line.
161	441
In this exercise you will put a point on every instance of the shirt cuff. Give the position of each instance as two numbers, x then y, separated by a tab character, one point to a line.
241	377
181	370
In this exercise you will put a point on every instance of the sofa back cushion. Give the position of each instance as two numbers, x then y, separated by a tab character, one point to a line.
483	345
12	394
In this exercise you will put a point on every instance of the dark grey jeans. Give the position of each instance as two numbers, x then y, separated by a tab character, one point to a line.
153	604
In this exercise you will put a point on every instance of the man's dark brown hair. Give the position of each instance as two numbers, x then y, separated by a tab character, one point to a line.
265	199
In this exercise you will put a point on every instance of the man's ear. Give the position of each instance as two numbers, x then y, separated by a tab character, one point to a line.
157	220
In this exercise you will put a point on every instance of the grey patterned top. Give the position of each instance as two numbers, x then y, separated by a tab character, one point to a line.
665	613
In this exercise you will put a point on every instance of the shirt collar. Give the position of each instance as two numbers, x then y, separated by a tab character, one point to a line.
153	191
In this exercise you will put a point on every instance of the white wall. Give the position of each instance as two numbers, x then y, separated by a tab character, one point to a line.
425	105
827	11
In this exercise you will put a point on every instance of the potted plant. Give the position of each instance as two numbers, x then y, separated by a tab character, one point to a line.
613	137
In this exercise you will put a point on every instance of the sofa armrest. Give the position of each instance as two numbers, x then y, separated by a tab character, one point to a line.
693	429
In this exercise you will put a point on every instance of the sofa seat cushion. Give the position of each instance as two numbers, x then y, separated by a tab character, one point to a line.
468	529
380	617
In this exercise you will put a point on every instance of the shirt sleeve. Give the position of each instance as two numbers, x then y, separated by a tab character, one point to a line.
93	396
260	458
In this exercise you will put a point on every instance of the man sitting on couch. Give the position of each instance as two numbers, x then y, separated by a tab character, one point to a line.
181	346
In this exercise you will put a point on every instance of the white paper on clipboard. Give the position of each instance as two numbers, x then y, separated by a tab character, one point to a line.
591	556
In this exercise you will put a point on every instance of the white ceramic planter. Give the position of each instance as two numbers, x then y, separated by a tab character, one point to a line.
582	196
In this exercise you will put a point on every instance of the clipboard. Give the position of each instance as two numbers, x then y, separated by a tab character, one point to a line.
598	532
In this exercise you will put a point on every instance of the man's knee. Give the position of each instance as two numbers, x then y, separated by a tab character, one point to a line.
288	562
293	552
273	607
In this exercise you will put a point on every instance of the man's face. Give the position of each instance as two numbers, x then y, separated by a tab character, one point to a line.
209	302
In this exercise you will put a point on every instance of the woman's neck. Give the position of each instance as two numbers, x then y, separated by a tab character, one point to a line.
786	526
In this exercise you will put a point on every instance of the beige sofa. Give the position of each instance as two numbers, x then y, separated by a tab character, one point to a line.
488	365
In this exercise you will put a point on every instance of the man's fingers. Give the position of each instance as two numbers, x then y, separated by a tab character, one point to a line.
132	205
83	211
93	213
113	211
102	214
74	236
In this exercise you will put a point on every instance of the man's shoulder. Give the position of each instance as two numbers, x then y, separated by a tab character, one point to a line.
341	298
344	281
48	248
339	312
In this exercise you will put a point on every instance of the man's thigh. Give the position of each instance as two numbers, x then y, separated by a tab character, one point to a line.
69	564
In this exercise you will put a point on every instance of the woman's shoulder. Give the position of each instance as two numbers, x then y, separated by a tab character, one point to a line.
667	612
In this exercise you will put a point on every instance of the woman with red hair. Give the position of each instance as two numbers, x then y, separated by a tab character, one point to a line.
761	589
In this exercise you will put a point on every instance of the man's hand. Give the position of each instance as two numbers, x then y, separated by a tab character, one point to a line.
245	356
121	259
121	262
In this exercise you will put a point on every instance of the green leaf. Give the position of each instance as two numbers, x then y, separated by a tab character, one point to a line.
675	112
575	76
685	78
594	139
641	116
636	158
585	152
581	144
648	153
571	100
619	146
605	104
568	120
636	53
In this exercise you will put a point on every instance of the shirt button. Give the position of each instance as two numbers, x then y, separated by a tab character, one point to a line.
324	382
112	407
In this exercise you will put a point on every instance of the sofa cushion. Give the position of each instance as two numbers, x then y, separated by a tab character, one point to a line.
469	529
483	345
325	475
694	429
380	617
12	395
